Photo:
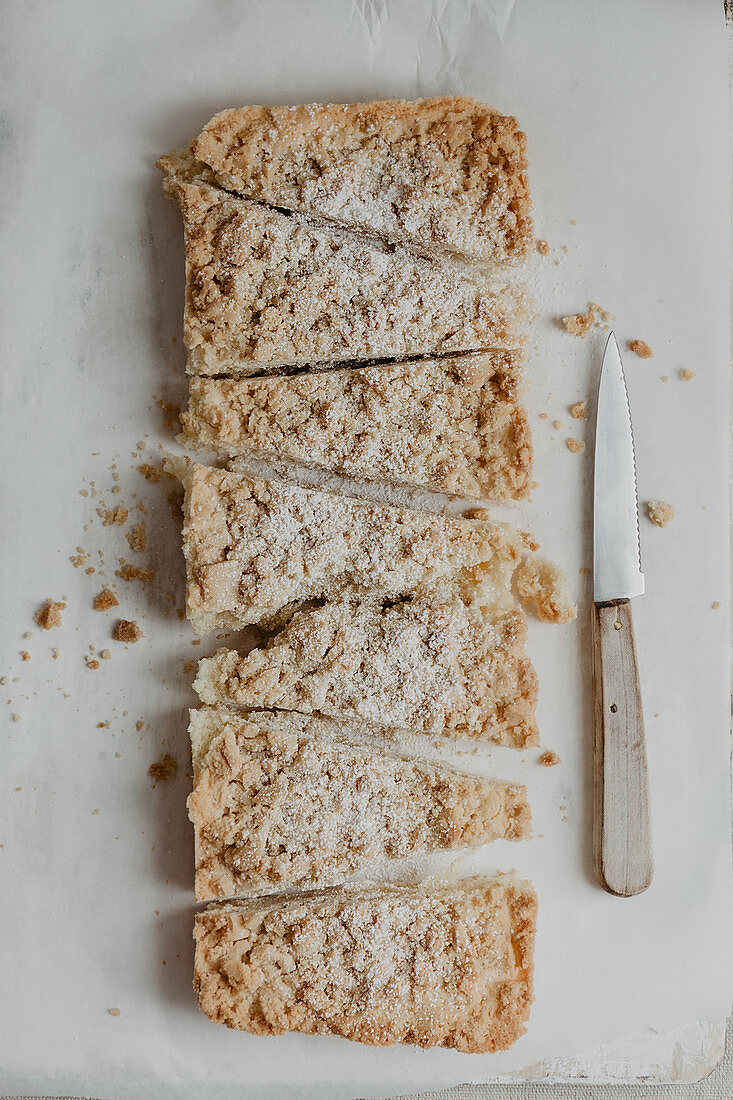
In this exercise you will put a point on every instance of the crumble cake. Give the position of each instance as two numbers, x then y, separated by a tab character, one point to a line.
431	965
443	174
286	800
425	666
266	289
456	425
257	548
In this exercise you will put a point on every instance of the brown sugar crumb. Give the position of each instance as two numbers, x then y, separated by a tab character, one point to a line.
549	759
529	540
132	573
139	724
50	614
579	410
660	512
137	538
577	446
151	472
127	631
113	517
93	664
25	655
105	600
640	348
687	375
543	248
165	768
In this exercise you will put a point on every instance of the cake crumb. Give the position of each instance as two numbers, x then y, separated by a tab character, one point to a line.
50	614
715	605
557	425
578	324
106	654
584	571
17	718
4	680
25	655
140	723
665	378
151	472
133	573
544	584
165	768
579	410
687	375
577	446
114	1012
113	517
93	663
543	247
189	666
127	630
28	634
55	654
549	759
543	416
102	725
105	600
640	348
660	512
137	538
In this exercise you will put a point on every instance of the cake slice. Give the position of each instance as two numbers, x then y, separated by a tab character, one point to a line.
444	174
431	965
285	800
456	425
423	666
265	289
256	549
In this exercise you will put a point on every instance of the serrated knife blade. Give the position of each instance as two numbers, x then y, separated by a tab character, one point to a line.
616	553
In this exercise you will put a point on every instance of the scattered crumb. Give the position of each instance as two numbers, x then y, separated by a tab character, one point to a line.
79	559
548	760
127	631
132	573
105	600
113	516
165	768
102	725
584	571
93	664
170	411
55	654
137	538
543	248
545	585
579	410
557	425
114	1012
529	541
687	375
189	666
577	446
139	724
17	718
543	416
25	655
151	472
660	512
4	680
640	348
95	811
715	605
50	614
28	634
105	654
580	324
89	570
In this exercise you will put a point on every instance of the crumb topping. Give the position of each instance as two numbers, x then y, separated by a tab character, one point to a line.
660	512
545	585
50	614
579	410
127	630
640	348
549	759
105	600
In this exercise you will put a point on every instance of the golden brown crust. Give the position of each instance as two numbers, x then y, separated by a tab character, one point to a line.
425	666
255	549
443	174
265	289
456	425
284	800
434	966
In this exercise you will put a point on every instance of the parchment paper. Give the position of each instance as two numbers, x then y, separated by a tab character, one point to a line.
625	108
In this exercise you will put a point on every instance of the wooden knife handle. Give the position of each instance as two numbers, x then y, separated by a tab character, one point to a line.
622	821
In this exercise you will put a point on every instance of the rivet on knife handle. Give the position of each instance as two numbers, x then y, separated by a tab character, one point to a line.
622	840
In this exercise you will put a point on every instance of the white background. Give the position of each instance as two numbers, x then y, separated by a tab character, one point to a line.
625	108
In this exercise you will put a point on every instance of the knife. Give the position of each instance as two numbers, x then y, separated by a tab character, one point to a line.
622	822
